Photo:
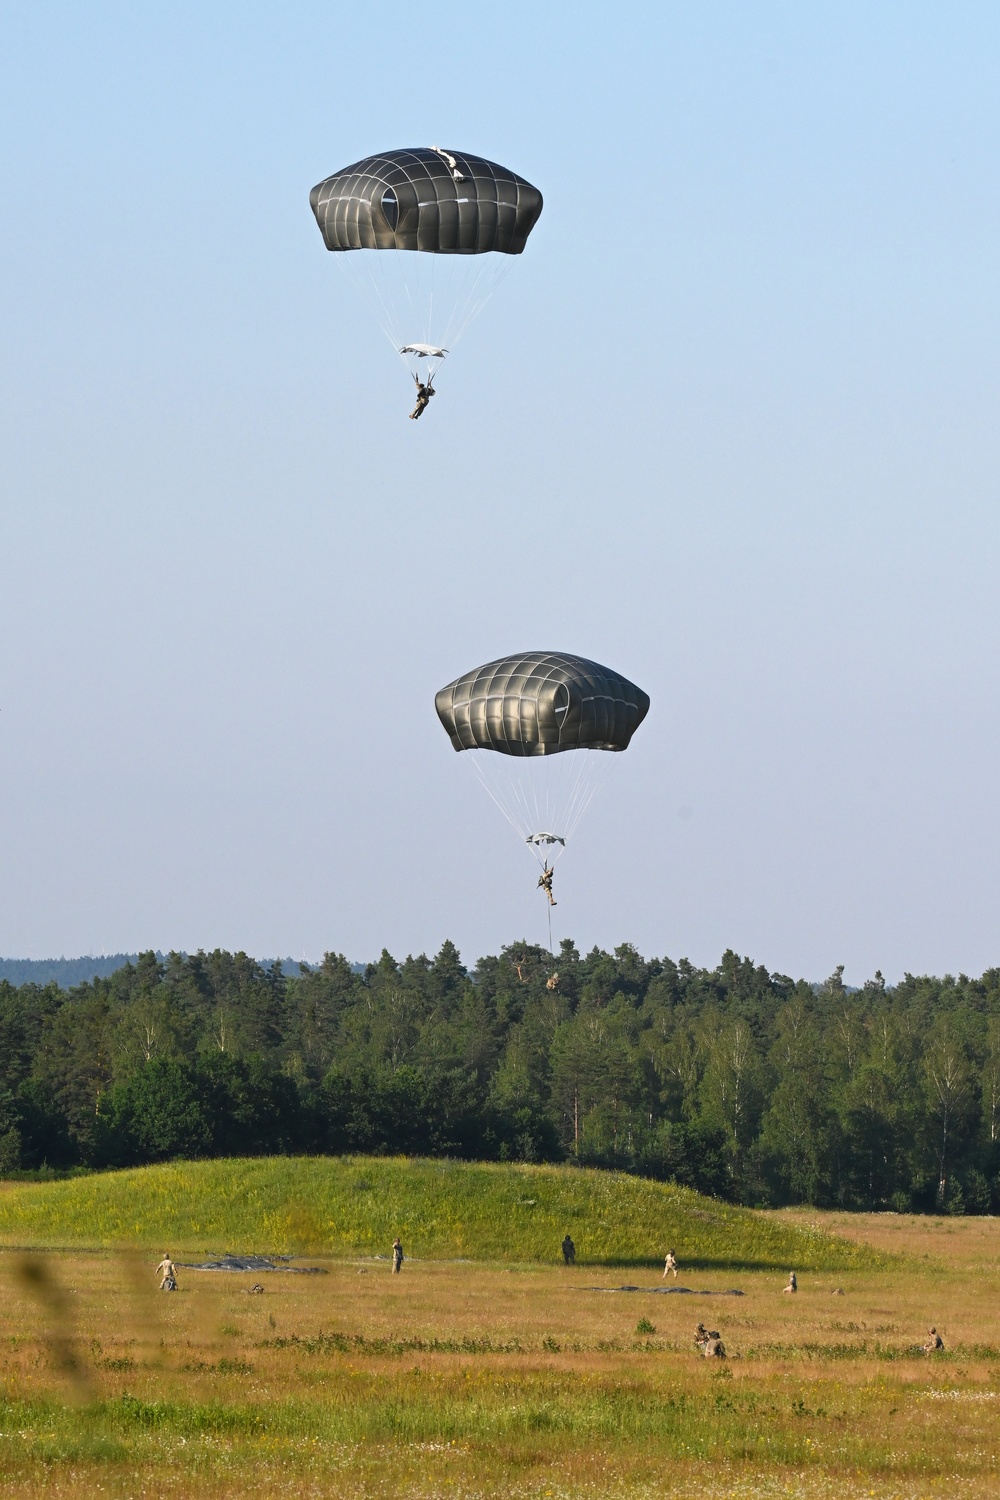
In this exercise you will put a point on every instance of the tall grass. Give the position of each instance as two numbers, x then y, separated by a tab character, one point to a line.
543	1434
441	1209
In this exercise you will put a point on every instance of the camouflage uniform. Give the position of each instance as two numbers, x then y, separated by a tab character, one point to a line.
709	1342
168	1271
424	394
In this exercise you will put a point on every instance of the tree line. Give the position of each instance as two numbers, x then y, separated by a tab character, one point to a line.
742	1083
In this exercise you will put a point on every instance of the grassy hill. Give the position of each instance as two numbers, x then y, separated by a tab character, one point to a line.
441	1209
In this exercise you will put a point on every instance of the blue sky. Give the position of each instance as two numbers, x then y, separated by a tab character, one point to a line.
729	425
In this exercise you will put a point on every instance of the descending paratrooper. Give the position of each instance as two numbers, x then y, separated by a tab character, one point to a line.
425	390
459	218
542	714
545	882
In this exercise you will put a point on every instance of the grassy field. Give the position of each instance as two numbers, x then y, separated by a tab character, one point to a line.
502	1377
337	1206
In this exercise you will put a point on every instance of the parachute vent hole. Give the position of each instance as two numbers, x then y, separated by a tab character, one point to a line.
390	208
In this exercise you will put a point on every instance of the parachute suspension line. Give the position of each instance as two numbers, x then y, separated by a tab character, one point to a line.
430	302
510	796
589	780
397	292
580	795
379	279
514	805
558	803
474	761
377	271
543	798
430	298
537	811
360	269
485	285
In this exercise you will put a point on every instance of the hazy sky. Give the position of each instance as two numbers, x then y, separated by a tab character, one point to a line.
730	426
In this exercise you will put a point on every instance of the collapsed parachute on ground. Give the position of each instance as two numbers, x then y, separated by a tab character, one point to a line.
463	215
549	718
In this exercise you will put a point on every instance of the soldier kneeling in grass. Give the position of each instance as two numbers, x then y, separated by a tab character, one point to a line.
934	1342
793	1284
709	1343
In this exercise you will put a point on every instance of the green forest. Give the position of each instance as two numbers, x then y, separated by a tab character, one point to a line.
739	1082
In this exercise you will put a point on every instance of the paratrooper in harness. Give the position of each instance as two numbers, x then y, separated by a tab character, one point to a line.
425	390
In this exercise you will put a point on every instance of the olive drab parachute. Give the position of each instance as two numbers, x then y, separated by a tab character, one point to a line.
426	199
541	703
549	720
430	234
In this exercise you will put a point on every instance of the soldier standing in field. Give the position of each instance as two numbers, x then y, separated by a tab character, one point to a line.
569	1251
670	1264
168	1272
397	1256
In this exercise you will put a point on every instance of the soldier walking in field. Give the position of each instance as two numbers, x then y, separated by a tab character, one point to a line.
569	1251
670	1264
168	1272
397	1256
